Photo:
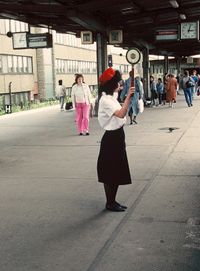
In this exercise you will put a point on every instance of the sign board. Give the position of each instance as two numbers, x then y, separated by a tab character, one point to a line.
19	40
86	37
39	40
25	40
115	37
189	60
167	35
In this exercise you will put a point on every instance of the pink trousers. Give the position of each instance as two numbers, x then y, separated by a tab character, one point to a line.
82	117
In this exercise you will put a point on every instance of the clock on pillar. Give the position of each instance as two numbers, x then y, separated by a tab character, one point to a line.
189	31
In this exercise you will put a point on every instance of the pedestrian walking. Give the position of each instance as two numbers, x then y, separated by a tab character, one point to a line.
159	90
61	93
186	84
81	100
133	109
112	164
171	90
154	95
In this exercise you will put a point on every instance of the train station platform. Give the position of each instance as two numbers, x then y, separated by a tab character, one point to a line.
52	207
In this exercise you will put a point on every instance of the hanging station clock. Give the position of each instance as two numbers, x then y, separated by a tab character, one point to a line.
189	30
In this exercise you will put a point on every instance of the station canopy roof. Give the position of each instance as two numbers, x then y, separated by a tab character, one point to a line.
139	19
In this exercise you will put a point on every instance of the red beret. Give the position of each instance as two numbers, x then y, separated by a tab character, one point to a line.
106	75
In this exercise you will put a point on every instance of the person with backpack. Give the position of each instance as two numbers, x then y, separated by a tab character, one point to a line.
186	84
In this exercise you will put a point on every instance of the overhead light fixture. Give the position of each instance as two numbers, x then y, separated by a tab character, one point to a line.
174	3
126	11
182	16
9	16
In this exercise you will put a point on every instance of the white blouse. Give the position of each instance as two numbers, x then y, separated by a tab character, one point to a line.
108	105
81	94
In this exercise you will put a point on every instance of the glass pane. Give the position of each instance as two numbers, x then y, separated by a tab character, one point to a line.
20	64
10	64
15	64
30	70
25	64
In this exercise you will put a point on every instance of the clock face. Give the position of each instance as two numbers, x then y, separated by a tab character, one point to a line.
190	30
133	56
19	40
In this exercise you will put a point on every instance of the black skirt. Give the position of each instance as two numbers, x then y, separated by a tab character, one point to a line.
112	164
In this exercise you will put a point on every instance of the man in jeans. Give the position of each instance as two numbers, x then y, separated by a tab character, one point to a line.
61	93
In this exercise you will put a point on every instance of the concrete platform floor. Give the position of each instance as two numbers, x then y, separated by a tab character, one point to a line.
52	207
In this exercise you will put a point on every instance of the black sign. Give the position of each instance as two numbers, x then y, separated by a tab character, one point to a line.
25	40
39	40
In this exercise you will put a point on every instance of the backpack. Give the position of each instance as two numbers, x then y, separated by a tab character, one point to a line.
190	83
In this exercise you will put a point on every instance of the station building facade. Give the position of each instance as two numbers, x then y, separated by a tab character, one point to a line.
34	73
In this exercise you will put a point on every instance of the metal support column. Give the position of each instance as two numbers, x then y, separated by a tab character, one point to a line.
146	76
178	65
166	65
102	61
101	54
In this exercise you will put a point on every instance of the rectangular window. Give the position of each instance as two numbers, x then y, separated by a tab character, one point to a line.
13	26
10	64
15	64
20	64
25	64
2	27
1	65
30	66
7	25
17	26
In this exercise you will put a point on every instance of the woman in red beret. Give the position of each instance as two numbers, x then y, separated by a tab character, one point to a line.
112	164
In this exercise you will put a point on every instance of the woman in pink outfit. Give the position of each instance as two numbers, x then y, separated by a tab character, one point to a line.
81	99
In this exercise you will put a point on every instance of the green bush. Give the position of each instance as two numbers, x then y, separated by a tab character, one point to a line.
29	105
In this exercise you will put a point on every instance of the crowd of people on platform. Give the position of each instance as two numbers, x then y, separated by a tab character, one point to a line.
163	91
166	89
116	99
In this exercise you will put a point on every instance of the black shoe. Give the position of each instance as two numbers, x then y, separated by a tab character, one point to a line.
122	206
114	208
87	133
191	105
135	121
131	123
81	134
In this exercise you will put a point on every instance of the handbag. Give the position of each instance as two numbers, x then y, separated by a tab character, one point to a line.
68	106
140	105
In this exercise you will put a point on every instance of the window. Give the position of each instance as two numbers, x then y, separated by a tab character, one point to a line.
30	67
10	64
25	64
2	27
15	64
20	64
1	65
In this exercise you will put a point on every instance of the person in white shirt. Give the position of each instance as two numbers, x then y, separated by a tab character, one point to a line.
81	100
61	93
112	164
